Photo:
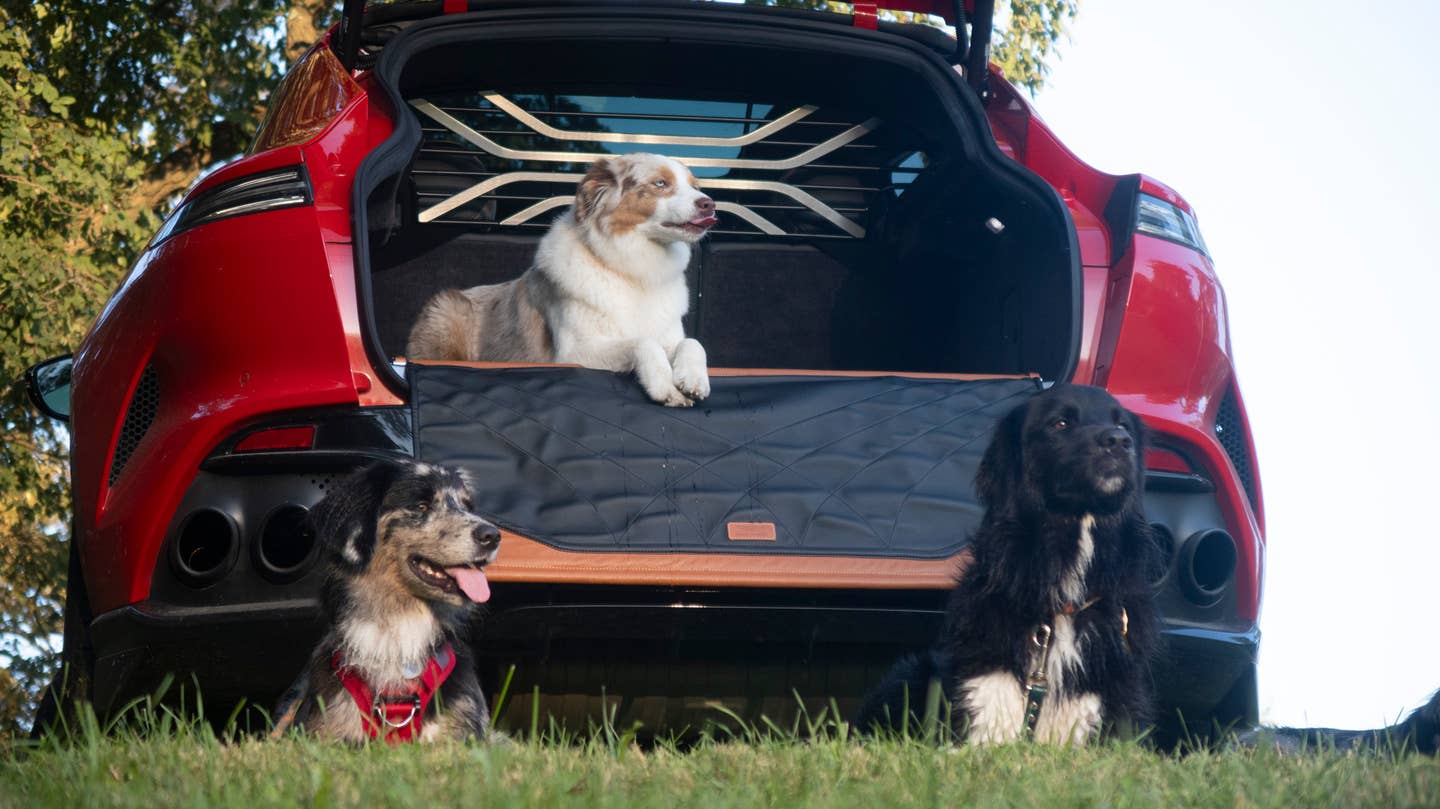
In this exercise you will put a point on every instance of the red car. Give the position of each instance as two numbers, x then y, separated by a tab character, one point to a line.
905	252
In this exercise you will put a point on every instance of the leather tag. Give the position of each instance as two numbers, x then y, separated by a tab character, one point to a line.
751	531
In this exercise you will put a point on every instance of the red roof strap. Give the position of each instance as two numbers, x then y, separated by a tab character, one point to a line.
401	712
867	15
456	6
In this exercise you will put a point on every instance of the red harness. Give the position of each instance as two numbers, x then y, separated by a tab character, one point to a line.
396	715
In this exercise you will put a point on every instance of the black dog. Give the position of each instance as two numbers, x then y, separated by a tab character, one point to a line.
1419	732
405	552
1052	630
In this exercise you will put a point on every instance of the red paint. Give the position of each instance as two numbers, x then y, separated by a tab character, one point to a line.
278	438
867	16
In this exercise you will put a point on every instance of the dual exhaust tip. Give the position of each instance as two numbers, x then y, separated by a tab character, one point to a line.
1204	563
207	546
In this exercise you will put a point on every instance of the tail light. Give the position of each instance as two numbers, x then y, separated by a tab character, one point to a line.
313	94
1158	459
1156	217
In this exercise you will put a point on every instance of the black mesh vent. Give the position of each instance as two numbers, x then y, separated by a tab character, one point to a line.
1231	432
137	420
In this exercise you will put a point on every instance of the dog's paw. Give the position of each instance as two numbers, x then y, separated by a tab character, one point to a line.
674	398
691	374
652	369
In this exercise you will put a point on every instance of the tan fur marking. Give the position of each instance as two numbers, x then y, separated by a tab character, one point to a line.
637	202
599	178
444	329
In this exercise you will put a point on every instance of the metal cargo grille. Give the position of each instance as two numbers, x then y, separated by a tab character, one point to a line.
508	160
1231	432
138	418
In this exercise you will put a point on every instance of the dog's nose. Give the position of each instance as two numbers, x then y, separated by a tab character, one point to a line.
488	536
1116	437
705	205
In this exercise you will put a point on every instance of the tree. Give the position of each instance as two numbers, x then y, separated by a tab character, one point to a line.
1025	40
107	112
64	242
1027	33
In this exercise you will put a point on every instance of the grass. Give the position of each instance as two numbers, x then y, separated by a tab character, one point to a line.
162	760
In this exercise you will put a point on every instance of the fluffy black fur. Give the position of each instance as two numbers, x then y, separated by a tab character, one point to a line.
1068	452
1419	732
371	527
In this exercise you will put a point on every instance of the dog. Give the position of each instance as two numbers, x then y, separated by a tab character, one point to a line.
405	554
1419	732
606	290
1052	631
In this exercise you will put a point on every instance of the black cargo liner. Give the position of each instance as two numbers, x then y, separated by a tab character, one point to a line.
581	460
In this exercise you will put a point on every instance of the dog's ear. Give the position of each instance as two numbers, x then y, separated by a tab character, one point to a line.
344	521
998	479
599	183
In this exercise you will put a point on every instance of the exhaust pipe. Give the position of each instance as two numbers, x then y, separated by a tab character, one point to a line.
1207	564
287	547
205	548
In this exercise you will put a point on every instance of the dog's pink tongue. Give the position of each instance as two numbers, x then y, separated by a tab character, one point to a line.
704	221
472	582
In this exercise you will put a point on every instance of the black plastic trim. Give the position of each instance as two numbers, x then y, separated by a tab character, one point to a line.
391	156
1177	482
977	59
1120	213
344	438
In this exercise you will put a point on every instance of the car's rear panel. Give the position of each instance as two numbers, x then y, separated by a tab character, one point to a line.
626	572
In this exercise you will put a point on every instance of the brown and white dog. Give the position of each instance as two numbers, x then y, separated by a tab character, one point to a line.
607	288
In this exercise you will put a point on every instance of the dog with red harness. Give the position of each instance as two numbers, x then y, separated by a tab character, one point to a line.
406	555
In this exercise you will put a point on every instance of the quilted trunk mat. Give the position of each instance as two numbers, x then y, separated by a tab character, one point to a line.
581	460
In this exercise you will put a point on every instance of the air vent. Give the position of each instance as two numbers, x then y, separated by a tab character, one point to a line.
138	418
1231	432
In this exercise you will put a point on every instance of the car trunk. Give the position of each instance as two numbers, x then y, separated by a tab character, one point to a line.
883	284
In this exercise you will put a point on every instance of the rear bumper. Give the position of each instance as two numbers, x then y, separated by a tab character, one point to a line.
660	656
666	631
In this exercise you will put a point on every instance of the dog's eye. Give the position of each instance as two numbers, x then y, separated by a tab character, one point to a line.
423	507
1060	424
660	183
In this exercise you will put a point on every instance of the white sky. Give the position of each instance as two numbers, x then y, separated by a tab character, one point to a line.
1305	136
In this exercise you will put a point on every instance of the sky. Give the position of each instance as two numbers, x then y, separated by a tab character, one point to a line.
1304	135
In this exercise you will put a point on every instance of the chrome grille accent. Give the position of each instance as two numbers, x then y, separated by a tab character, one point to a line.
487	159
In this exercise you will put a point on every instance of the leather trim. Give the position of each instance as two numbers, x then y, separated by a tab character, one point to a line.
525	560
748	371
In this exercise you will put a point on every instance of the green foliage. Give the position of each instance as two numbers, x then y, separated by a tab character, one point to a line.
175	79
64	242
107	110
1027	32
1026	38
